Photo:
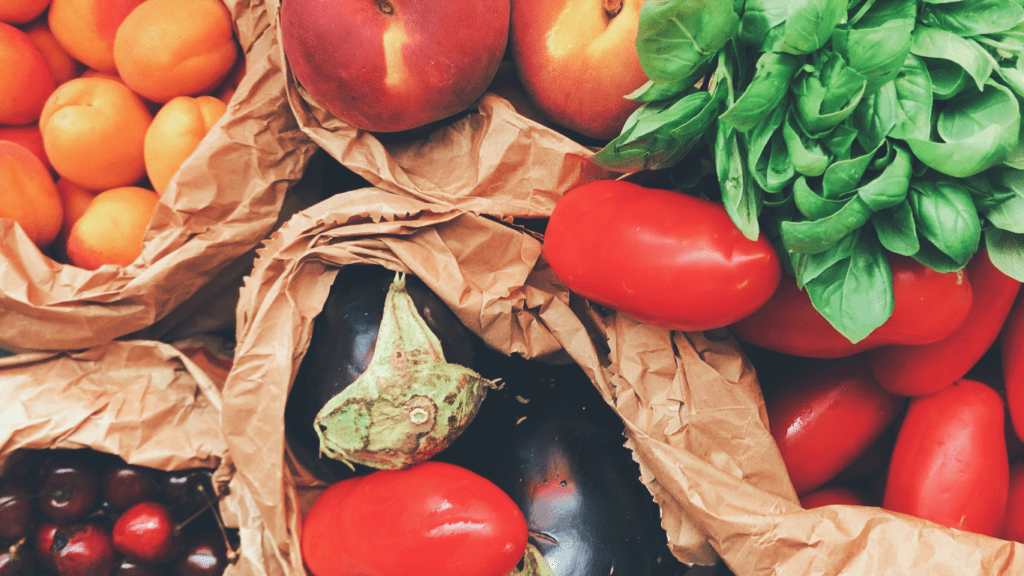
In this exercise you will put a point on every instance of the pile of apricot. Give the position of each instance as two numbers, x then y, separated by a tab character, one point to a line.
101	101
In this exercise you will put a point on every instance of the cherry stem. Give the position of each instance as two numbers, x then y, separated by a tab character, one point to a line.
232	555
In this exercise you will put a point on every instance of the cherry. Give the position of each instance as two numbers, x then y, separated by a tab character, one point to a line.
202	554
124	485
132	567
17	560
146	532
70	485
84	549
16	508
43	544
188	491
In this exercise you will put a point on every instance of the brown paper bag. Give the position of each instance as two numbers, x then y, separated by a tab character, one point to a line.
225	198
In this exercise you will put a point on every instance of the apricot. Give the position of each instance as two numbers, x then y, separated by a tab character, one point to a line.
30	137
93	131
25	78
28	194
21	11
112	228
86	28
175	133
63	66
168	48
75	200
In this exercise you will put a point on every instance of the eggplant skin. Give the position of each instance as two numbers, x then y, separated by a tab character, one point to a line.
341	346
549	440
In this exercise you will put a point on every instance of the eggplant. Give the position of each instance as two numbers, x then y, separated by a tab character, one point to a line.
552	443
342	347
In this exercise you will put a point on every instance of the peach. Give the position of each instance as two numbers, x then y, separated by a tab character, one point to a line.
86	28
175	133
168	48
93	131
28	194
30	137
63	66
21	11
394	65
25	78
112	228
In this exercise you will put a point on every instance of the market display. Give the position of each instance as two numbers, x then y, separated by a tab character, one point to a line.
651	287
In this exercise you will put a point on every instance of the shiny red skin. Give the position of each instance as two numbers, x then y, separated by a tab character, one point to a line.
666	258
915	370
832	495
42	544
949	464
146	532
433	518
84	550
928	306
1013	529
826	416
1011	347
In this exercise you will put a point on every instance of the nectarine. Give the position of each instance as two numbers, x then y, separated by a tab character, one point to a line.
25	77
174	134
112	228
86	28
21	11
28	194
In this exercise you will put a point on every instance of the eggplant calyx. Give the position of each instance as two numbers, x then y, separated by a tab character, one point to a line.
533	564
409	404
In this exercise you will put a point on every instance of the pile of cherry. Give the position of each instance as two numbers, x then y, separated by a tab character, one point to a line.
85	513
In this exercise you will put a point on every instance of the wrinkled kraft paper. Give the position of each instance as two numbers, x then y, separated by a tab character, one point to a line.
225	199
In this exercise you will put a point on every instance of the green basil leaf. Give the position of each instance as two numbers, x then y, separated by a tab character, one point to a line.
946	216
828	95
948	78
807	154
812	204
1007	184
879	43
1006	249
943	45
676	37
890	187
760	16
807	267
840	141
780	171
855	294
814	236
765	92
740	194
843	176
759	140
973	17
934	258
896	230
979	130
1013	78
809	25
652	91
876	115
914	96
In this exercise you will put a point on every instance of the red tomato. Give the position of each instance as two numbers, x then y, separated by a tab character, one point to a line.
949	464
835	495
928	306
1014	527
433	518
666	258
826	416
914	370
1011	347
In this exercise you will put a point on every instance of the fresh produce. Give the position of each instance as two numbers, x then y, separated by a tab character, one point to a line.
914	370
845	130
175	133
22	65
111	228
86	28
1013	529
344	350
665	258
825	415
927	307
1011	345
22	11
549	440
28	194
950	463
577	61
389	65
432	518
85	513
832	495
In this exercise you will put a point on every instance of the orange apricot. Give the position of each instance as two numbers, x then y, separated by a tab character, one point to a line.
21	11
112	228
28	194
25	78
168	48
63	66
86	28
175	133
93	131
75	200
29	136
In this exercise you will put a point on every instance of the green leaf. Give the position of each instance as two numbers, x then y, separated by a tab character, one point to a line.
812	204
943	45
978	130
807	154
855	294
814	236
828	95
766	91
896	230
676	37
843	176
740	194
1006	250
760	149
914	96
879	42
809	25
807	267
840	141
945	215
948	78
759	17
876	115
890	187
973	17
1008	214
780	171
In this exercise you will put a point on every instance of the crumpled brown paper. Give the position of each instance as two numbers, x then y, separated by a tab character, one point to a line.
225	198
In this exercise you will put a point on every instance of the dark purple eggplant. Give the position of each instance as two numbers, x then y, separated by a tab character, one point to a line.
342	345
550	441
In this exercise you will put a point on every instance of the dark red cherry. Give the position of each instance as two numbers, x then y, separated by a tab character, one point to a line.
42	544
188	491
124	485
84	549
17	506
202	554
146	532
69	485
132	567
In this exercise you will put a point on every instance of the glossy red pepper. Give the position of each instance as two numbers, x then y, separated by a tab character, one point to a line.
826	416
914	370
1011	348
1014	527
831	495
949	464
928	307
